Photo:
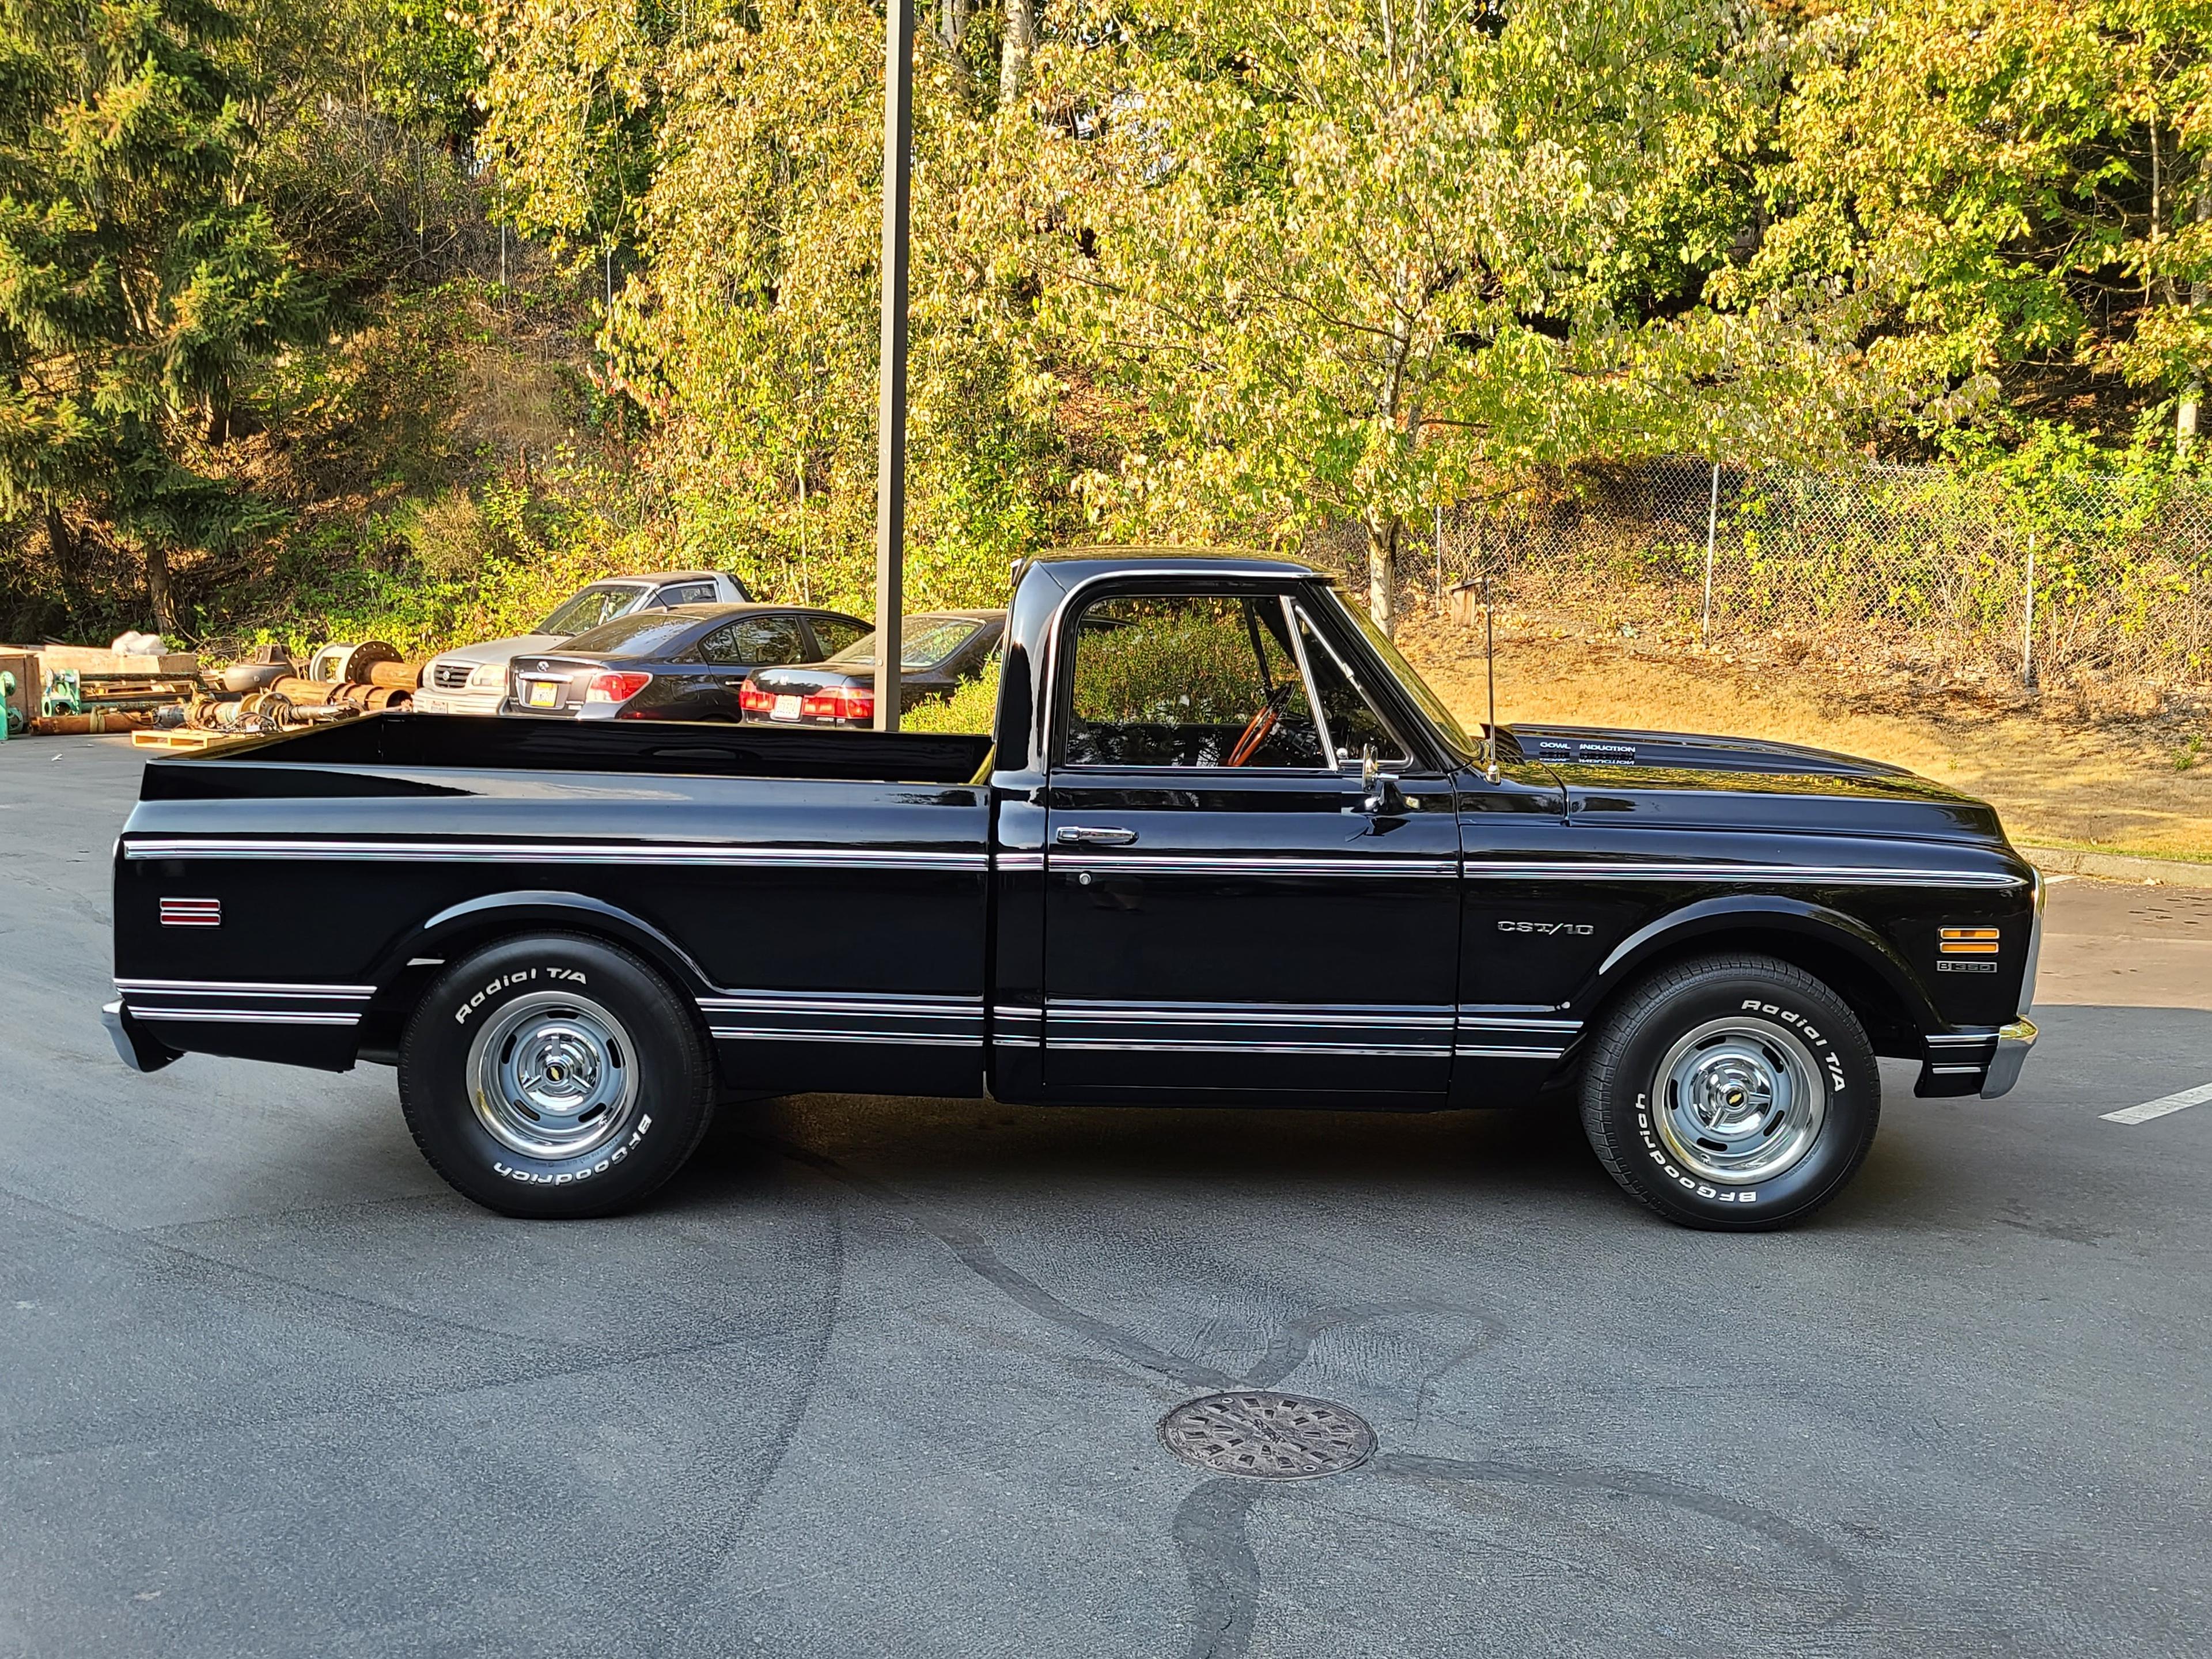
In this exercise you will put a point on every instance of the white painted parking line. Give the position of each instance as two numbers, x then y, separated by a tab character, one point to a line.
2160	1107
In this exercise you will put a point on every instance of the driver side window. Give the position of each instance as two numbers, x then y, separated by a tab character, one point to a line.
1188	680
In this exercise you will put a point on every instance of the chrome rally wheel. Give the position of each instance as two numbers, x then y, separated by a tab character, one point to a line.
553	1076
1739	1100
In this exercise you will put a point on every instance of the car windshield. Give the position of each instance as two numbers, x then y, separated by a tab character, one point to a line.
1446	722
925	642
602	602
645	634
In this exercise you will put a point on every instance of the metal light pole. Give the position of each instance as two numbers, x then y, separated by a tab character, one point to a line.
890	362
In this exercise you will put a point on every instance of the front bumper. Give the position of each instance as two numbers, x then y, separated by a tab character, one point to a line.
134	1045
2013	1040
428	701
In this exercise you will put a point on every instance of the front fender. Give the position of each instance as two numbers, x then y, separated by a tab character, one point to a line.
1769	913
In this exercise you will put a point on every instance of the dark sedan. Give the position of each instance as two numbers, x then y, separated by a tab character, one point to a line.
938	650
687	662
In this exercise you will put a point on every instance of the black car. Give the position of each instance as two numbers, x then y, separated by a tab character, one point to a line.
687	662
938	649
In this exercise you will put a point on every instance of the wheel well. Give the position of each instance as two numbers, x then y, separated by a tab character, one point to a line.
1890	1026
382	1027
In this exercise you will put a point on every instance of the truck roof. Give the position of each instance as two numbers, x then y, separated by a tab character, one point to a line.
1073	564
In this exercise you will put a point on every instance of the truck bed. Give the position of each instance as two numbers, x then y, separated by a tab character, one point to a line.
415	743
329	873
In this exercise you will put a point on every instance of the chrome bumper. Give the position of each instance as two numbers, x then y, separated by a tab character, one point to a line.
133	1046
2013	1040
429	701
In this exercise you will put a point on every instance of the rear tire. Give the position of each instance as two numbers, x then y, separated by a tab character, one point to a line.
554	1077
1733	1092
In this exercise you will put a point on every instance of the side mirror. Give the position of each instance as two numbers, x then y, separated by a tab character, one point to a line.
1379	794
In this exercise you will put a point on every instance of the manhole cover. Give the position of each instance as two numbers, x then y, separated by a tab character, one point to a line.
1268	1436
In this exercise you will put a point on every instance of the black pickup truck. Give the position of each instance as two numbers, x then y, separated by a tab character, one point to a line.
1222	847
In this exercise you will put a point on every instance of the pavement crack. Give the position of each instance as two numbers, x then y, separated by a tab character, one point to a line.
276	1293
1636	1483
971	1250
1295	1341
1209	1529
780	1441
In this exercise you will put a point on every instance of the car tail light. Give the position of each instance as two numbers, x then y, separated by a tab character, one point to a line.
840	702
1966	941
616	688
754	701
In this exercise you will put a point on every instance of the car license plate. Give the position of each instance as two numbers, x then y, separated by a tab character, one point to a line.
544	694
786	708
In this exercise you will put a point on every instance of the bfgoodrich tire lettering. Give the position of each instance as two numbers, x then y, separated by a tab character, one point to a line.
1733	1092
555	1076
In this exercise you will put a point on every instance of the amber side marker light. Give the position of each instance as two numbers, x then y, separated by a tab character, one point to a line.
1966	941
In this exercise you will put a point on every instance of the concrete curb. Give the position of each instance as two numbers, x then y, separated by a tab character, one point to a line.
2117	866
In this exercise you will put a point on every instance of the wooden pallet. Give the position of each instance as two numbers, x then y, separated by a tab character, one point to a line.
185	739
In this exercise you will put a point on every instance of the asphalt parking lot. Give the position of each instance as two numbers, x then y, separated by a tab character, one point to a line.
881	1377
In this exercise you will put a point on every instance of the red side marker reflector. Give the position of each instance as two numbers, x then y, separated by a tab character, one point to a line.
191	913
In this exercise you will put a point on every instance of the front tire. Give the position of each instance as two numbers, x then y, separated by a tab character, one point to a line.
1733	1092
554	1077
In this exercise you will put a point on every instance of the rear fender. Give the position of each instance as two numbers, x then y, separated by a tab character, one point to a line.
410	964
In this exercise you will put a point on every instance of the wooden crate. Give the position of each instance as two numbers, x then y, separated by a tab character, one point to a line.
99	659
25	668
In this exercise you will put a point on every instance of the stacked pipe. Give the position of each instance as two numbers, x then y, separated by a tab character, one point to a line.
91	725
257	712
350	693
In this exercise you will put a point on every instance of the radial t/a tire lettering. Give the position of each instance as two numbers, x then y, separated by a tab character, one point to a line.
556	1076
1733	1091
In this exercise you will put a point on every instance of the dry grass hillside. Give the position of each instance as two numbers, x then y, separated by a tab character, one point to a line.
2136	785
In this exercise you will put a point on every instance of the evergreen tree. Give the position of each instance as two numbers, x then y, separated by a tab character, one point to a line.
137	282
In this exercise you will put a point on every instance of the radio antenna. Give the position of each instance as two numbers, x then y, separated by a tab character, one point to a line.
1490	667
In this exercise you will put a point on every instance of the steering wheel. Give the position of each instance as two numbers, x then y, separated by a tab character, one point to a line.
1256	729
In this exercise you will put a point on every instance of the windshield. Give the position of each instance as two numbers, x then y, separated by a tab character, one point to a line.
645	634
925	642
601	602
1446	723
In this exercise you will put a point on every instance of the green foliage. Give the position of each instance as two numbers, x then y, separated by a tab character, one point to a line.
1213	271
452	536
1172	661
138	287
1341	262
2016	189
973	706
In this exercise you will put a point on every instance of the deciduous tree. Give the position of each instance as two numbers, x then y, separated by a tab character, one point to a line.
1353	257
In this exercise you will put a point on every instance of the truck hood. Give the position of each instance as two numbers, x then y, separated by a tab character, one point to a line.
1591	745
1684	780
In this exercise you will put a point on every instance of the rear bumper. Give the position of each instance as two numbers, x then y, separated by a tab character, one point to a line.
137	1047
2013	1040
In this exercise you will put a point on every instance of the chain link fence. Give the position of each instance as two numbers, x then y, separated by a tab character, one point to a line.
2100	587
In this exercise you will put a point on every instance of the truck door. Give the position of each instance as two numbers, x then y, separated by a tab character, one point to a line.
1229	905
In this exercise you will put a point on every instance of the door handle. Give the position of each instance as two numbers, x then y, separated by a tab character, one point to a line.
1083	834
